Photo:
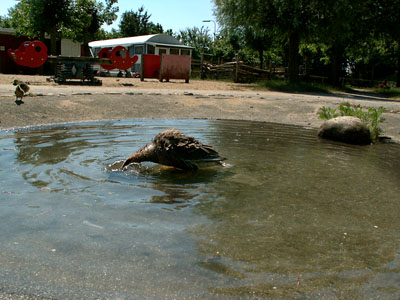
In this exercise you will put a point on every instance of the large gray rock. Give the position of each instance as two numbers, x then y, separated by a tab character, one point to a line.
345	129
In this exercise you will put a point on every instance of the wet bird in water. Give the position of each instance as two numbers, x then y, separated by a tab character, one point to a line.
173	148
20	91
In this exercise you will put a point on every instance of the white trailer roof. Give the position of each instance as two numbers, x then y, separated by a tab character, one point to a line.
162	39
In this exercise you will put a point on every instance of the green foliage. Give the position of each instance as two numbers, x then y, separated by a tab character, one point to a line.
286	19
138	23
371	116
32	18
327	113
199	38
367	47
258	40
5	22
79	20
86	18
23	16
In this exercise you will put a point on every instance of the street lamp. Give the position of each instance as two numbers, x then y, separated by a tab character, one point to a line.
215	26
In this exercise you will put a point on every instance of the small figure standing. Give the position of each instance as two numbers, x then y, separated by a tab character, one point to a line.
20	91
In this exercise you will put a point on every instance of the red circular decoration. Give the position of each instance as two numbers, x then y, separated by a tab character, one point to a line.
105	53
121	60
31	54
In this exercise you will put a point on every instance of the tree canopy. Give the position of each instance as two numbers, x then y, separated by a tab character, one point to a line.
75	19
87	17
336	29
199	38
138	23
30	17
288	19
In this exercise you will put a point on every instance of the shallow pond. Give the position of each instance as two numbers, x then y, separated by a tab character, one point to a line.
292	216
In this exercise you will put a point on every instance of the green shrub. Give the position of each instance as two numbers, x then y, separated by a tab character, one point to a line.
369	115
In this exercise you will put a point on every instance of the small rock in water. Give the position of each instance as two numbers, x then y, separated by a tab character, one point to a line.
345	129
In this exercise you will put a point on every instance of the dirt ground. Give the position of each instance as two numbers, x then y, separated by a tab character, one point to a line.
126	98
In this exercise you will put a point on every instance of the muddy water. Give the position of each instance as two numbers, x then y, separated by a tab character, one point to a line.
290	217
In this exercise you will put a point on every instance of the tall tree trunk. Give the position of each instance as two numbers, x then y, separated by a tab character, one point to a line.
86	49
53	40
53	48
294	42
398	64
307	63
336	64
42	39
261	56
42	36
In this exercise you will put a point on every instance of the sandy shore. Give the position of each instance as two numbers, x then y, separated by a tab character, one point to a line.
125	98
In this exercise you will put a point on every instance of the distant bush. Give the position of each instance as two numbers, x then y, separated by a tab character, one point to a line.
369	115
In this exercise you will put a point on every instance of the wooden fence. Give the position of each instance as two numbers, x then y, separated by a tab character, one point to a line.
236	71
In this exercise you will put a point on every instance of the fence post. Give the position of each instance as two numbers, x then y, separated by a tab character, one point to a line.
202	74
236	72
142	68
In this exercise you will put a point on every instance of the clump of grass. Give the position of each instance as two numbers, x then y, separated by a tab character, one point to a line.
371	116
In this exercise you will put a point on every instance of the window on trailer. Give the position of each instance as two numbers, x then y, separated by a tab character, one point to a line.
174	51
185	52
138	50
150	49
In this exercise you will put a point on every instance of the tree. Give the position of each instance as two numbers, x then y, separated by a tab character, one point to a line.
338	31
20	20
87	17
138	23
387	14
258	40
135	23
290	19
35	17
226	45
199	38
5	22
40	12
156	28
102	34
169	32
373	58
